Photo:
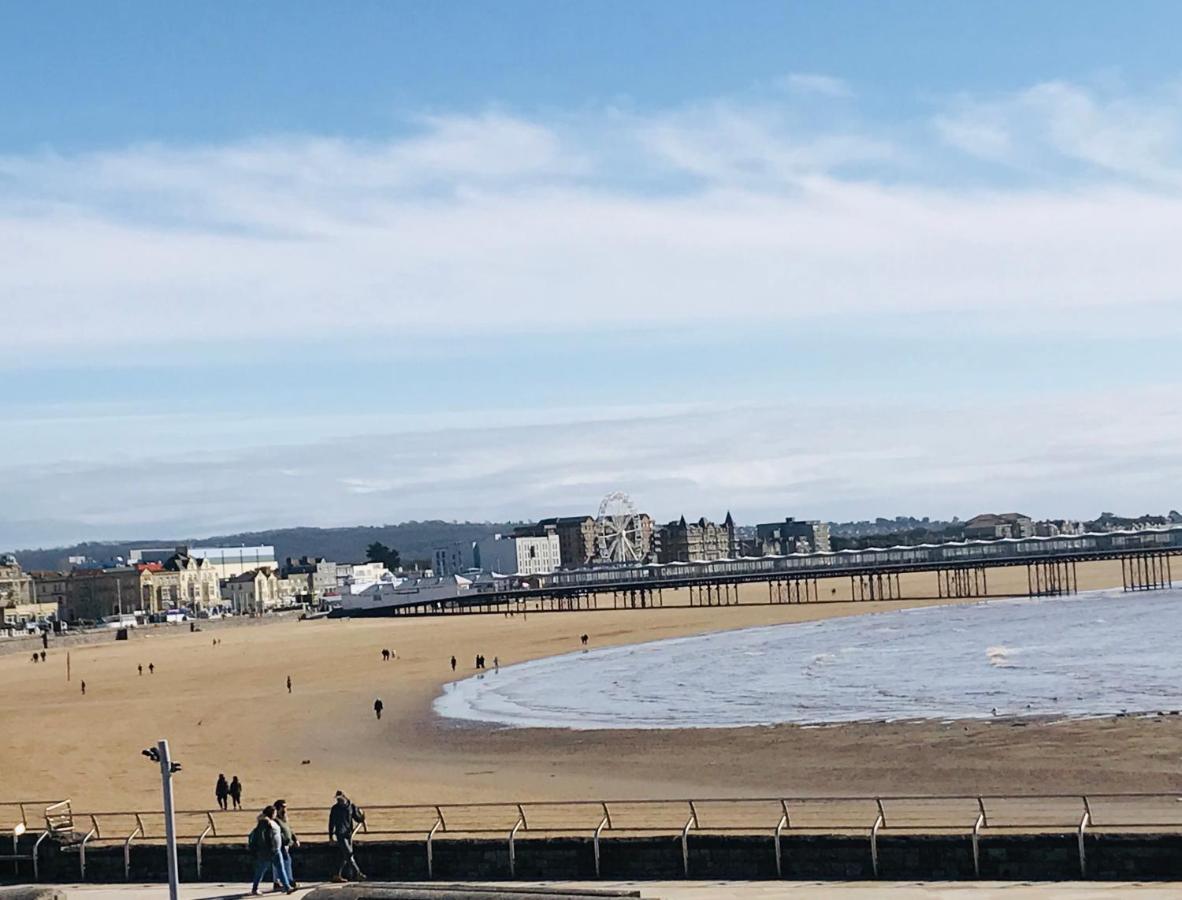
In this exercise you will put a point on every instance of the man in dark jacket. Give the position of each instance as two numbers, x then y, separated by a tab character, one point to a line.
342	818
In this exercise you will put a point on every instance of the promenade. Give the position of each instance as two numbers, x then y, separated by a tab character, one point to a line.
738	890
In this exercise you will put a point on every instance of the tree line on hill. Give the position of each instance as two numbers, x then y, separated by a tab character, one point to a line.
416	542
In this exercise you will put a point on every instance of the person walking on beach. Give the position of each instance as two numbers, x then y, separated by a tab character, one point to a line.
222	792
140	667
288	840
289	684
42	656
378	706
453	663
385	656
236	792
151	668
342	818
84	689
266	845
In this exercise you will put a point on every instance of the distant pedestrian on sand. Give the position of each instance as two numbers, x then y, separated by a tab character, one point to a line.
84	689
42	656
35	656
222	792
236	792
342	818
289	684
377	708
45	639
151	668
141	669
496	663
385	656
583	639
453	663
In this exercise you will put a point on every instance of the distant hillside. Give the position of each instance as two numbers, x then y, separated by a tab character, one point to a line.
414	540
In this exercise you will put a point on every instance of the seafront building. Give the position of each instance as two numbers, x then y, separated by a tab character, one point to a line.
179	582
791	536
252	593
990	526
454	559
505	554
16	586
310	576
226	561
700	541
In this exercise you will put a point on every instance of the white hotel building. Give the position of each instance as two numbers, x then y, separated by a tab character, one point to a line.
504	554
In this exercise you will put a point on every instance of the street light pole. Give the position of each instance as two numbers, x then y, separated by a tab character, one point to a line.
166	771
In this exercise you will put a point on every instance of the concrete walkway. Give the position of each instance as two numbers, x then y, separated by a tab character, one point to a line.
738	890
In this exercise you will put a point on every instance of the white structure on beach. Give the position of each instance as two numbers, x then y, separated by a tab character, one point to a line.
505	554
394	590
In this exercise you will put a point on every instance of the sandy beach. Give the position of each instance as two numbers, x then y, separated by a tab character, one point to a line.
225	708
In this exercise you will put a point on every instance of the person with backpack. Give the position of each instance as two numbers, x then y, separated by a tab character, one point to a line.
342	818
266	846
288	841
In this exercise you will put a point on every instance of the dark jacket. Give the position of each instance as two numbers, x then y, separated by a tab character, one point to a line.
222	789
341	818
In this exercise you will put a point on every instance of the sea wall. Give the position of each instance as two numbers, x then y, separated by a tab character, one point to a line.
1124	857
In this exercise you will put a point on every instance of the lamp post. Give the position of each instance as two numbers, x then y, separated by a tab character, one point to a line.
159	754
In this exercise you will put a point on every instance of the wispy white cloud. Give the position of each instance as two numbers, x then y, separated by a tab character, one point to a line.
1068	454
500	224
1045	126
813	83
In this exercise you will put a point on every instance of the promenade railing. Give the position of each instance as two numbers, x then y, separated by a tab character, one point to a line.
871	817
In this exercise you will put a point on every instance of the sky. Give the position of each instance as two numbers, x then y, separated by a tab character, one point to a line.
313	263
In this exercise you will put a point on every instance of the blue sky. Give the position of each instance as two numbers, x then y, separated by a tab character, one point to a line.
318	263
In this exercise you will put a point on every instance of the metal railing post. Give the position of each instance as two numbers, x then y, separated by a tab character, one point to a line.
603	823
201	839
94	830
1084	822
439	823
692	823
36	861
780	826
878	823
981	822
139	830
512	842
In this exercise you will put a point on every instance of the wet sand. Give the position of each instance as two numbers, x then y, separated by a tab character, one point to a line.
226	709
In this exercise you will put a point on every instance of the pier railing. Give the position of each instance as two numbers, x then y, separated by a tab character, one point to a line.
872	817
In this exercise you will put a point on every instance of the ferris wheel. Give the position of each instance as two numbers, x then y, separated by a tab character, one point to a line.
617	530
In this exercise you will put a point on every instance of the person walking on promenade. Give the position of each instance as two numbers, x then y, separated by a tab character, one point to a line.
266	845
222	792
289	684
236	792
453	663
378	706
288	841
342	818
